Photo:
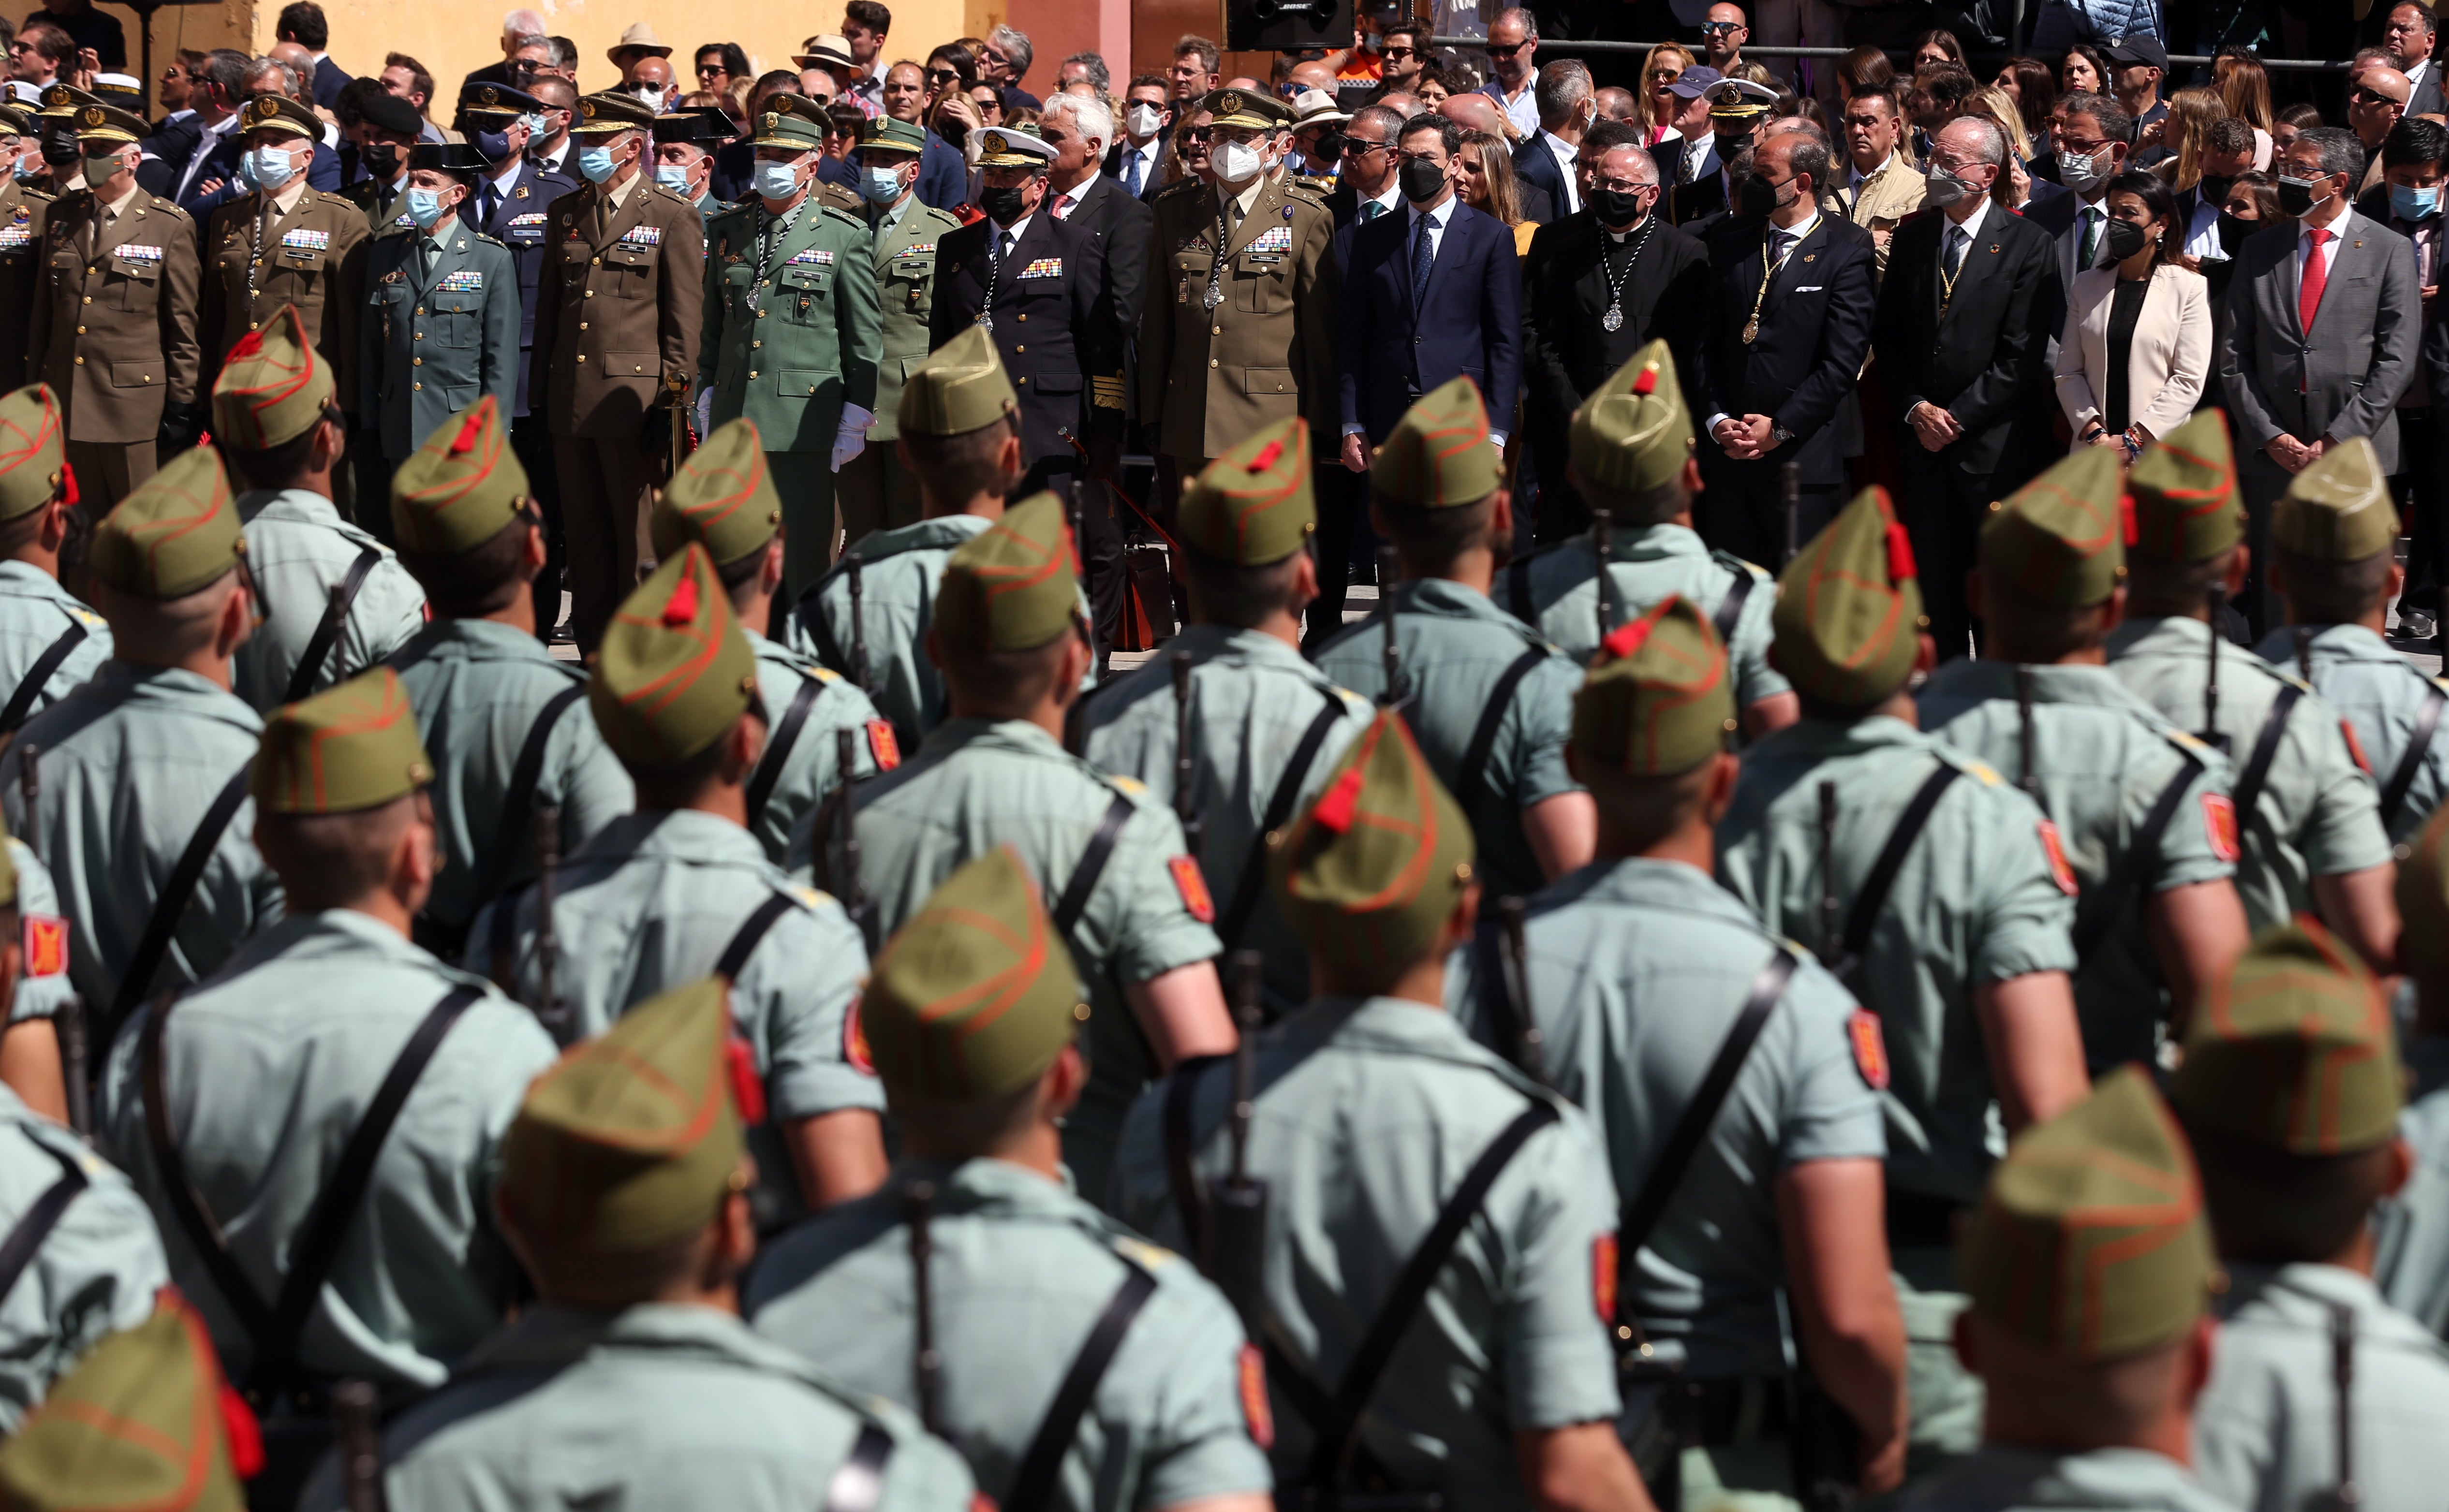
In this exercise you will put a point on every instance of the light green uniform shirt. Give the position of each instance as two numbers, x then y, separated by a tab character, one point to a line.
1637	970
269	1066
656	1407
2266	1427
129	763
2007	1478
1453	648
811	768
1021	1269
2382	695
1368	1113
39	992
2100	757
2318	815
1252	699
477	689
95	1274
898	573
300	550
2412	1266
1975	903
975	785
1557	589
34	612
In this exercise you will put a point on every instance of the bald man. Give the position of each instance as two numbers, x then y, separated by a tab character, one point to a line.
1478	112
2376	99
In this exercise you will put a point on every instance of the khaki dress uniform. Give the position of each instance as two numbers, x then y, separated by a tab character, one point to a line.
262	253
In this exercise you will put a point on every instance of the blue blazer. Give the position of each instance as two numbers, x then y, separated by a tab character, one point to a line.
1535	165
1470	320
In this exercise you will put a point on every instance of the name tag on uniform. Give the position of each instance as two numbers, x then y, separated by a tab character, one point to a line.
304	240
811	258
464	280
1042	268
150	257
1274	239
643	236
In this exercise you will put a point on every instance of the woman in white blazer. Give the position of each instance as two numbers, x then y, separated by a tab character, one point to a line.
2137	345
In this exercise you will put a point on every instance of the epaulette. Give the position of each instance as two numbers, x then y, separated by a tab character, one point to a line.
493	241
329	198
44	195
160	204
1181	186
1141	1252
1735	564
845	217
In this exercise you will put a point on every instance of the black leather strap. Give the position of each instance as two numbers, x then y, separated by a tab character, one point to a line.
511	825
25	1241
1472	776
1077	892
2410	761
327	630
1033	1482
751	931
857	1484
1190	1199
1251	885
171	905
1517	591
1498	1008
29	687
2098	909
2265	748
1872	894
1731	608
778	747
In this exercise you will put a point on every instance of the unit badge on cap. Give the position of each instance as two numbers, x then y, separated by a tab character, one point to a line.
1231	104
773	119
995	141
2219	826
92	115
489	95
586	109
261	110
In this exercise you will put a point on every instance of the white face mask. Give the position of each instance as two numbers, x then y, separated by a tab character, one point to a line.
1238	161
1145	119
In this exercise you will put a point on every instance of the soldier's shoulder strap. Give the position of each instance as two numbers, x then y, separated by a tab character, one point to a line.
491	241
2410	761
1085	872
169	208
2256	772
1251	885
779	746
510	822
1180	187
44	195
857	1483
170	904
35	1224
1517	583
1470	776
2098	911
325	640
1034	1484
1872	895
21	702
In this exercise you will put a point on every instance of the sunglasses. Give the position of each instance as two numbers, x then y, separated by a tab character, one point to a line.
1718	29
1505	54
1198	133
1664	75
942	76
704	68
1400	54
2365	96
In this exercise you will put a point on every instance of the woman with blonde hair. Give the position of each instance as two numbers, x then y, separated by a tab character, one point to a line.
1992	103
2186	131
1489	187
1653	106
2244	89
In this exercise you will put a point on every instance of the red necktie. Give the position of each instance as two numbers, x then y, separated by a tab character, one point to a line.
1062	209
2308	299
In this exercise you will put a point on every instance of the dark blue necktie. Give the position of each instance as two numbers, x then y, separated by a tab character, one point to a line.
1424	256
1131	161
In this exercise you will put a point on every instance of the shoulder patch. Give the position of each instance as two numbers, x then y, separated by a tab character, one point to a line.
44	938
1251	1380
2055	849
2219	826
883	744
855	1053
2355	747
1141	1252
1870	1048
1192	885
1131	787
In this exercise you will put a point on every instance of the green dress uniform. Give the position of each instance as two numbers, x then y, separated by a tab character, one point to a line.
440	328
1266	726
41	623
794	332
23	213
876	488
1368	1110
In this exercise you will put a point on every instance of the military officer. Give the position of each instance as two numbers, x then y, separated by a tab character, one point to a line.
113	325
1960	949
2309	823
1491	701
680	888
49	641
1012	644
1644	480
2334	571
2411	1247
23	209
685	144
390	134
58	123
284	244
793	331
2138	809
1370	1104
2091	1366
616	334
623	1189
723	499
142	765
1264	726
499	714
141	1416
223	1102
877	489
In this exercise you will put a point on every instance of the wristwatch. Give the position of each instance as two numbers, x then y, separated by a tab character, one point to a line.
1780	433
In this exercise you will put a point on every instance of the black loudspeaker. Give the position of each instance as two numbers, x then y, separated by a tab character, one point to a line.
1286	25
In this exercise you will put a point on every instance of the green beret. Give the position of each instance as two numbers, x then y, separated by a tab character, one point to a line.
2186	506
633	1138
458	490
1370	874
893	135
33	450
1012	587
1254	504
138	1423
2090	1243
722	498
2292	1049
1849	608
349	747
960	388
1632	433
1657	700
976	995
674	673
1437	456
272	387
2423	899
2061	538
177	532
2337	509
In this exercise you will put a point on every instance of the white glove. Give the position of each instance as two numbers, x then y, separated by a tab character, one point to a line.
852	439
705	413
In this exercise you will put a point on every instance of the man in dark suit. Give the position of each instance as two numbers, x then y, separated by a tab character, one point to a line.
1792	295
1136	160
1368	176
1568	105
2409	36
1963	360
1428	294
1598	286
2093	136
301	21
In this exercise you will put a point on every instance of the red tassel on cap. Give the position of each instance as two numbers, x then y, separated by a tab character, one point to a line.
1900	557
1266	457
748	1091
1647	382
1342	804
2125	518
680	608
68	484
245	1435
467	441
248	345
1627	638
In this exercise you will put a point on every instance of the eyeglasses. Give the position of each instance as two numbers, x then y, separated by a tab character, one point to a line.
1664	75
2369	96
2082	148
1361	146
1505	54
1718	29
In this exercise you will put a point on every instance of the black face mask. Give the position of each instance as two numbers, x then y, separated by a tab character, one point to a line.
1756	196
490	146
2214	191
381	160
1619	208
1731	144
2125	238
2233	230
60	148
1330	152
1002	205
1421	181
2294	199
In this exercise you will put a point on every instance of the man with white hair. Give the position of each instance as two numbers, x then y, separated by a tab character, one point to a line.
517	25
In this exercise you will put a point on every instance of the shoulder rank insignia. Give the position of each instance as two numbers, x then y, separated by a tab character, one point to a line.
1870	1048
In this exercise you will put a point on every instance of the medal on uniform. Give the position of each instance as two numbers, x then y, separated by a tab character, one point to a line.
1614	320
1212	298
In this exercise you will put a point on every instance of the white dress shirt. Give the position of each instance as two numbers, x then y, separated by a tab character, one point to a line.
2338	230
1568	159
1780	250
1069	200
1151	158
996	235
1438	217
2202	232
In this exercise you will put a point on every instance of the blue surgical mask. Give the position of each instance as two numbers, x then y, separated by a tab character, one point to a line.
880	186
533	120
674	176
778	180
425	207
28	166
596	164
2413	204
272	167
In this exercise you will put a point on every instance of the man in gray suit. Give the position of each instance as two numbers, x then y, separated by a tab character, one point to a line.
2093	137
2324	322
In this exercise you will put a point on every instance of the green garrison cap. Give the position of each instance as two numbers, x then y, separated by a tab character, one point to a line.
1657	700
2338	508
458	490
176	533
674	672
1371	871
1849	607
632	1140
722	498
272	387
33	450
137	1425
893	135
790	121
2186	506
2423	899
1254	504
960	388
2292	1049
2090	1243
1012	587
347	748
2060	539
1633	434
1437	456
977	995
